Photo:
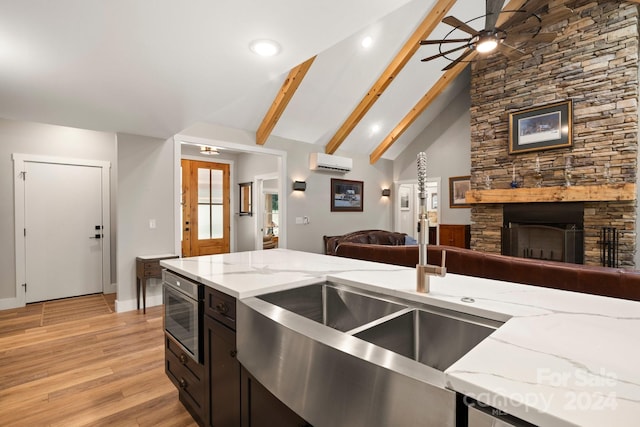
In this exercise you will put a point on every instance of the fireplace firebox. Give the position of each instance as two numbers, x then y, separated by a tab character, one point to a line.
548	231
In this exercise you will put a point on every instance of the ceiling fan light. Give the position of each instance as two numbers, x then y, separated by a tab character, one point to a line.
486	44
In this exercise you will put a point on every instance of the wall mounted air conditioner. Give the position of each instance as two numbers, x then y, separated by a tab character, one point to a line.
328	162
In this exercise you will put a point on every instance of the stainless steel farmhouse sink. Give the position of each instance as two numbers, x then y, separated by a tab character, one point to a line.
338	355
333	306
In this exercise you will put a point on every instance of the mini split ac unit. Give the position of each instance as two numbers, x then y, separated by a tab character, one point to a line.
328	162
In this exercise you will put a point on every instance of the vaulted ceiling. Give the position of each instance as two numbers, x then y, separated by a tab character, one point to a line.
156	67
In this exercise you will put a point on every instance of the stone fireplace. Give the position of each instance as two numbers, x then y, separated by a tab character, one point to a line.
594	63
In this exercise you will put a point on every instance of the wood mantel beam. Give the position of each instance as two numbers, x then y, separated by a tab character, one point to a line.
411	46
583	193
286	92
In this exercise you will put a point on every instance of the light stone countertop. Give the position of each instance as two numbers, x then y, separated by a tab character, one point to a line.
560	359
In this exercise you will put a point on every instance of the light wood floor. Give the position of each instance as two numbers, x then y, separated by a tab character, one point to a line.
106	369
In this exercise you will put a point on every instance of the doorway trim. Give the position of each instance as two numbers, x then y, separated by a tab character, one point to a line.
19	161
282	175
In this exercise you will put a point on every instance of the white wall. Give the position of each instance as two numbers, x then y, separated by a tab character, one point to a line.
447	142
315	202
47	140
145	191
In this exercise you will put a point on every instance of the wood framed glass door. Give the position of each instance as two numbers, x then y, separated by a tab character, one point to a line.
206	225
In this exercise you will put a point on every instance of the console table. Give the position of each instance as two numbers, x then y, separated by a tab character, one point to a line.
148	267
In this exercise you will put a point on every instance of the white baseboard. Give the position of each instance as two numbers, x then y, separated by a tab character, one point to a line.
131	304
7	303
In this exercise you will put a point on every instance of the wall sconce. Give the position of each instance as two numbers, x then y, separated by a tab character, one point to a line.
299	185
386	192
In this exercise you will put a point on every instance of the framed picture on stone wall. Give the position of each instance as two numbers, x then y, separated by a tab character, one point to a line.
458	187
541	128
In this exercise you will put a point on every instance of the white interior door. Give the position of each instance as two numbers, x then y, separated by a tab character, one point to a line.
64	230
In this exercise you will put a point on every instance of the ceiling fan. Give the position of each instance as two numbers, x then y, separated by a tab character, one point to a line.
510	38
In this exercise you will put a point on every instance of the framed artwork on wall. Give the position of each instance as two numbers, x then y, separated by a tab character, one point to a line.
541	128
346	195
405	197
458	186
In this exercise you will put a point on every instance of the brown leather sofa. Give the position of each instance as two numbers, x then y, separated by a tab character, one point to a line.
377	237
612	282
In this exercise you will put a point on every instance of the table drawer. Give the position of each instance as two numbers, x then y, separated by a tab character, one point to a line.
154	271
220	306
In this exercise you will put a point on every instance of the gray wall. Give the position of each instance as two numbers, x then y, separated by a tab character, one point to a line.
46	140
145	191
447	142
315	202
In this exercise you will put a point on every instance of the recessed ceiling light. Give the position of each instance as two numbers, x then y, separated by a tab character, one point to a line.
264	47
367	42
375	129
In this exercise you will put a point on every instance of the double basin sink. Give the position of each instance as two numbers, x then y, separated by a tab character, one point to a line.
385	356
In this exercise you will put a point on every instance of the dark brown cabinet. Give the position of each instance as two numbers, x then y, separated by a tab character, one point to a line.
458	235
222	373
222	369
232	396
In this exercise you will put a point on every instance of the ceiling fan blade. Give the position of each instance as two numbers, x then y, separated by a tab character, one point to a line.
443	53
493	8
524	12
531	38
458	59
510	51
455	22
532	23
424	42
556	14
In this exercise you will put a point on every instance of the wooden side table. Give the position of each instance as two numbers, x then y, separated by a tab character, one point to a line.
148	267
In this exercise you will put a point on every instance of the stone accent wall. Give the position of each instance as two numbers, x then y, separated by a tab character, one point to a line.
594	62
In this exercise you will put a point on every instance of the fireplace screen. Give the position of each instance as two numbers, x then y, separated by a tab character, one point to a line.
543	242
547	231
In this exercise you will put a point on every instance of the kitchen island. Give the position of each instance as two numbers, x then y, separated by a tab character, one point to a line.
560	358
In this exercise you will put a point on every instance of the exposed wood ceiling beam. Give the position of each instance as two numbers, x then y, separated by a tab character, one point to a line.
436	90
286	92
432	19
422	104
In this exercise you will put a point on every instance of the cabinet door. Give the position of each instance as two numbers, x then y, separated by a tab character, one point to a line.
260	408
455	235
223	374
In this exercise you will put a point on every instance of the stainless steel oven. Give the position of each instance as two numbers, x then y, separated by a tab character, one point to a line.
183	305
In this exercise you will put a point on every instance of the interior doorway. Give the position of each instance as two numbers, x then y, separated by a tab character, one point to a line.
233	147
269	213
205	214
406	208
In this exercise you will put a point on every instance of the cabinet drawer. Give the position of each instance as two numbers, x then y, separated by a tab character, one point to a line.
190	387
148	265
220	306
179	356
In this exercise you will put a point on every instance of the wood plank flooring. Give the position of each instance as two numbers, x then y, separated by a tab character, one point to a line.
102	370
